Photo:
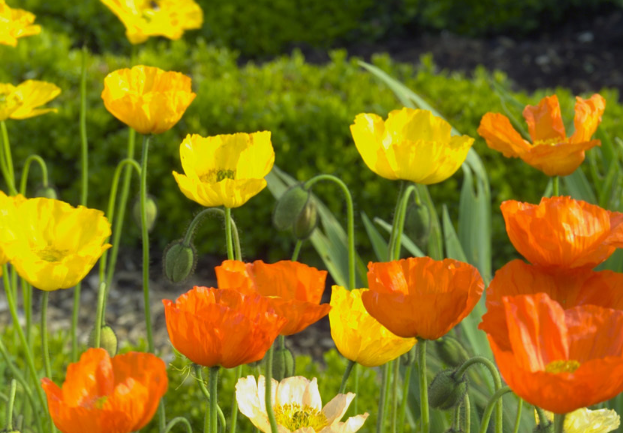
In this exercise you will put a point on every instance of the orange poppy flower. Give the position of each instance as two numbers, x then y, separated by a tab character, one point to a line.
551	151
560	360
221	327
421	297
294	289
570	289
107	395
563	233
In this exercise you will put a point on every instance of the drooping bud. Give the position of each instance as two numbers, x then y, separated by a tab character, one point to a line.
108	340
306	222
451	351
418	225
283	364
179	261
288	208
446	391
151	212
46	192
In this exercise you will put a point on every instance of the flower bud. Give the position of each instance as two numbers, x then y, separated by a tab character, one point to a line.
306	221
446	391
46	192
179	261
151	212
288	208
418	225
283	364
451	351
108	340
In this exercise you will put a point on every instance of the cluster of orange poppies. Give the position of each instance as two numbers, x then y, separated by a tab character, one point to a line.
556	325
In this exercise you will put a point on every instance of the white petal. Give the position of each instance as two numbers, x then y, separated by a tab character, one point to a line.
291	390
336	408
350	426
311	397
261	392
250	403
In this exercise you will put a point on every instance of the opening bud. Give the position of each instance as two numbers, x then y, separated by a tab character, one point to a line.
418	225
179	261
151	212
46	192
283	364
108	340
446	391
451	351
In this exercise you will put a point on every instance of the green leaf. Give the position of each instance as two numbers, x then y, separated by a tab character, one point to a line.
406	242
451	240
379	244
579	188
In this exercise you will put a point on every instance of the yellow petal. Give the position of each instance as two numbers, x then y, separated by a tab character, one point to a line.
34	94
368	133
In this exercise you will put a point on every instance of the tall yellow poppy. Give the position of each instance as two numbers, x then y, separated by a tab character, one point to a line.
225	170
410	145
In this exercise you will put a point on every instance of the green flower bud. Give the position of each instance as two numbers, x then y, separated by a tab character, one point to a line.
418	225
46	192
151	212
108	340
451	351
283	364
306	221
446	391
288	208
179	261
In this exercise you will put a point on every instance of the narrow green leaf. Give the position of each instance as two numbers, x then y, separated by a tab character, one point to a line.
379	244
407	243
579	188
450	238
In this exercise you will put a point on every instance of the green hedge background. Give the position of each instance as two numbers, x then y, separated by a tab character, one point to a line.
308	108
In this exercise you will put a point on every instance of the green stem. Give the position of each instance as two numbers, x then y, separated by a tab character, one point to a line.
178	420
486	416
44	334
230	246
349	368
83	129
268	375
26	169
356	388
421	352
543	419
27	300
555	186
351	222
192	228
399	222
497	384
145	235
380	425
392	236
214	396
395	395
206	394
468	414
297	250
234	402
75	315
559	422
9	406
405	397
99	315
9	175
518	417
456	419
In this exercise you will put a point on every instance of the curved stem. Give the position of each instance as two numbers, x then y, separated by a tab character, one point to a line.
424	414
214	396
178	420
351	221
497	384
297	250
486	416
206	394
392	235
349	368
44	335
457	418
399	222
230	246
380	417
145	235
268	376
26	169
7	167
192	228
518	417
75	315
99	314
405	397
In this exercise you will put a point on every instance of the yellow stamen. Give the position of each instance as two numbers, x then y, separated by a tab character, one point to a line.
562	366
51	254
549	142
294	417
215	176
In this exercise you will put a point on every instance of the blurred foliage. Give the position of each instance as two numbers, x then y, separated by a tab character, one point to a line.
308	108
268	27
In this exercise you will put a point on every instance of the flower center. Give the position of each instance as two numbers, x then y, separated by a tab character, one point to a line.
51	254
294	417
548	142
99	403
562	366
215	176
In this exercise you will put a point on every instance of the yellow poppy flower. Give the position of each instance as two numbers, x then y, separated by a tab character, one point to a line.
225	170
410	145
51	244
297	405
148	99
15	23
145	18
21	102
359	336
588	421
